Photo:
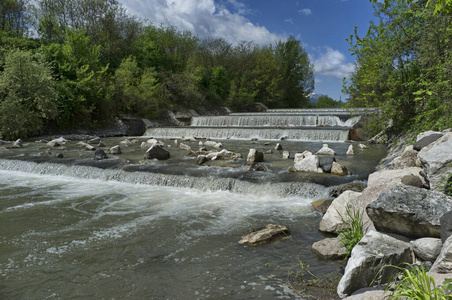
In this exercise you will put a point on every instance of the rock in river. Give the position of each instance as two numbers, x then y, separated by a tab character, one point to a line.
266	234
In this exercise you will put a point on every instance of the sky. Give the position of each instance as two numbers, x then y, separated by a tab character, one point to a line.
320	25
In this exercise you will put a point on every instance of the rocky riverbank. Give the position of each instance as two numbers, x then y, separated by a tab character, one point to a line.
407	217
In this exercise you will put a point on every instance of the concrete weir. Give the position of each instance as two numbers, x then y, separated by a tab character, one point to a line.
294	124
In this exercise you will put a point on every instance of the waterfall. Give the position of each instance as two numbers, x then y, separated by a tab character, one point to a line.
279	189
333	134
270	120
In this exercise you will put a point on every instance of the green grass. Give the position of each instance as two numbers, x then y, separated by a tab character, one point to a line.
413	282
354	228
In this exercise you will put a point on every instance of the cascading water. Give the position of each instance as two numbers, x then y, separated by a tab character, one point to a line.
75	227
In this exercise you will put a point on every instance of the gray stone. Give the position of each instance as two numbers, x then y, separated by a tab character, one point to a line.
332	220
326	162
18	143
59	155
409	211
446	226
269	151
93	141
325	150
377	183
412	180
125	142
223	155
443	263
286	154
308	163
436	160
100	154
258	168
53	143
278	146
330	248
338	169
101	145
406	160
115	150
374	251
426	138
213	144
183	146
265	235
427	249
157	151
254	156
201	159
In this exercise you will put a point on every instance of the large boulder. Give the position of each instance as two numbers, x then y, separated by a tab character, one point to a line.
379	182
409	211
156	151
309	163
254	156
427	249
374	251
436	160
265	235
426	138
443	263
332	220
330	248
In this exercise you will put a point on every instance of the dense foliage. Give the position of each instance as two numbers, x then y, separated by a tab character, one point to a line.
85	62
404	65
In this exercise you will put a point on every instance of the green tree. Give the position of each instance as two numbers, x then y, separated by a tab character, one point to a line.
135	91
14	17
297	72
327	102
27	95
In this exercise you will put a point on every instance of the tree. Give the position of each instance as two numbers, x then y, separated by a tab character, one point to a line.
297	72
27	95
327	102
14	18
402	66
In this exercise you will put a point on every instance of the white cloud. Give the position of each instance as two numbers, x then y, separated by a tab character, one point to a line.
332	63
289	20
203	18
305	11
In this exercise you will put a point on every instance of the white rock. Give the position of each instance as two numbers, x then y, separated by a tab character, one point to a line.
350	150
325	150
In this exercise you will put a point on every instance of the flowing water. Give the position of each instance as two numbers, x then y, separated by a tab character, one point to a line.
77	228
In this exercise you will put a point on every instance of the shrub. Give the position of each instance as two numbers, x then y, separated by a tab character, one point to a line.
354	228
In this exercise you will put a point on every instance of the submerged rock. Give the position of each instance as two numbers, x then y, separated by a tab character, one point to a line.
224	155
100	154
201	159
265	235
94	141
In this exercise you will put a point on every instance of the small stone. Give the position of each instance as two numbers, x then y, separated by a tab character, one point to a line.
338	169
201	159
100	154
115	150
278	147
330	248
350	151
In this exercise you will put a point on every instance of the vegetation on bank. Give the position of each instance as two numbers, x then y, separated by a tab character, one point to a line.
83	62
404	65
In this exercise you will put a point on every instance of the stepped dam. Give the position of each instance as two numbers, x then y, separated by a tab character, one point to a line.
294	124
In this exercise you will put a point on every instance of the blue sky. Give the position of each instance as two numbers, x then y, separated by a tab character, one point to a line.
321	25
